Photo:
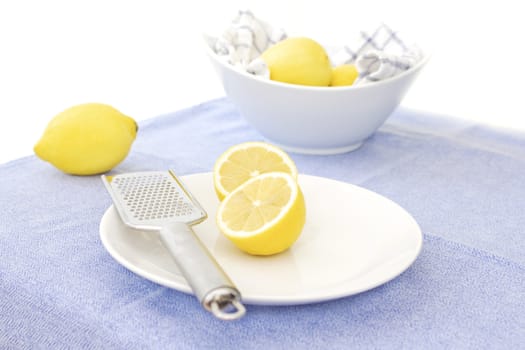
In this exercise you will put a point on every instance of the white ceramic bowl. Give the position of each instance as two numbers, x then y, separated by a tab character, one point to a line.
313	120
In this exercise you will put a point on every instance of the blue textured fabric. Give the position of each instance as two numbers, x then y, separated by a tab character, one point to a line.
464	184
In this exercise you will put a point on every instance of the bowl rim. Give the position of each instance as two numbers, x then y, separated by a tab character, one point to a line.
215	57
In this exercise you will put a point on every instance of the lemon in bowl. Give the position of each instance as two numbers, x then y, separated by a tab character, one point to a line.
312	119
344	75
298	60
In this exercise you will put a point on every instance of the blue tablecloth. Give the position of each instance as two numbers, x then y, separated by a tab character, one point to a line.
464	184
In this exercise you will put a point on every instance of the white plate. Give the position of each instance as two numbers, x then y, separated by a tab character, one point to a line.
353	240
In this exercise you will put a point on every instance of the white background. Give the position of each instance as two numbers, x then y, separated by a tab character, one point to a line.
145	57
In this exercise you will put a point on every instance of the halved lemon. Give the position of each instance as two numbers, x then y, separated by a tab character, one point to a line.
265	215
246	160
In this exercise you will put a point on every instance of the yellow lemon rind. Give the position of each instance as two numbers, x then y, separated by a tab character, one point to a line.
87	139
299	61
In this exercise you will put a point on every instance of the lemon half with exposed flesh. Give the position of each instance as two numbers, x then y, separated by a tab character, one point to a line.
265	215
246	160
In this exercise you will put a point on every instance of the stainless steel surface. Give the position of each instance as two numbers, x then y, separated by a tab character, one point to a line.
158	201
147	200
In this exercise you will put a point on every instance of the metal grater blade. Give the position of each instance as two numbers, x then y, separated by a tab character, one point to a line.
148	200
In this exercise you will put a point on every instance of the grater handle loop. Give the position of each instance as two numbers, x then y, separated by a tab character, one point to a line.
224	303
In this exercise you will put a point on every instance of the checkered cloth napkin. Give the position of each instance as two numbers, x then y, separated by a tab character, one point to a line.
378	55
246	38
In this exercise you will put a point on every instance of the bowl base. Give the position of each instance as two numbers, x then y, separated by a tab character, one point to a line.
318	151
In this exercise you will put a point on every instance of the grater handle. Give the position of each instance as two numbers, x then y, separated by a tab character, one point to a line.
209	282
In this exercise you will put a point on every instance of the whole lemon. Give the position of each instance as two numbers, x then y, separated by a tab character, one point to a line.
87	139
344	75
299	60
